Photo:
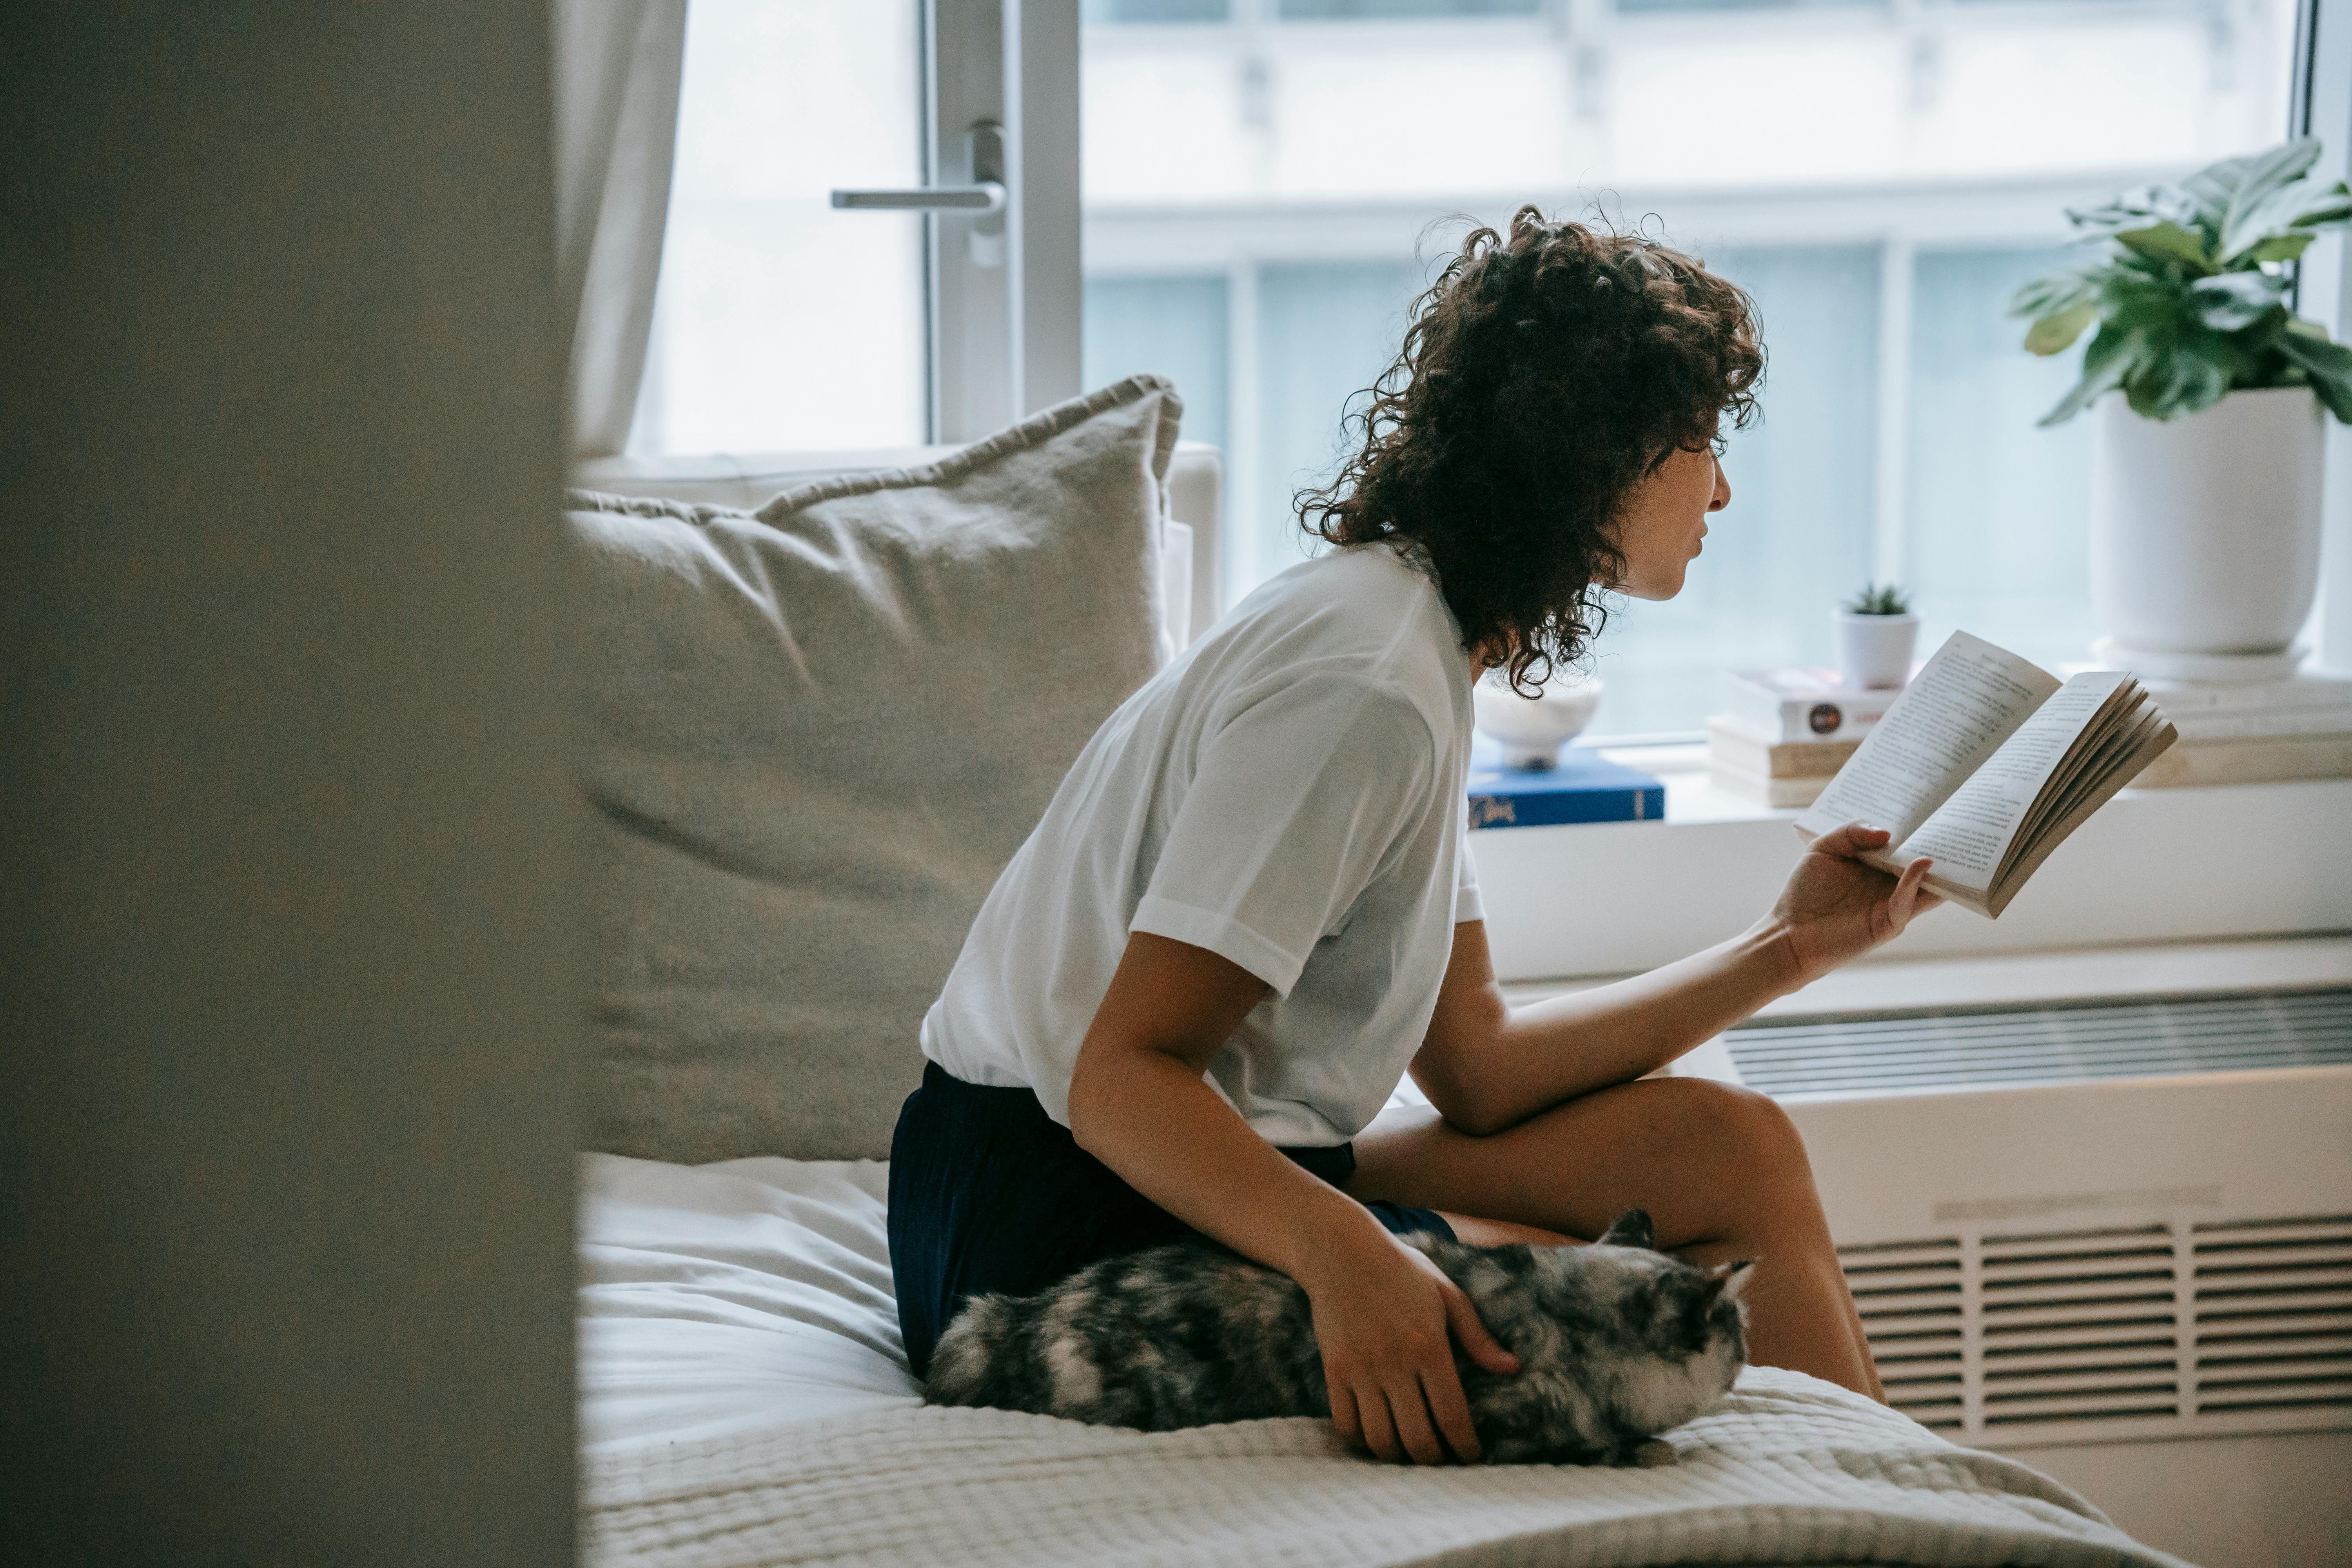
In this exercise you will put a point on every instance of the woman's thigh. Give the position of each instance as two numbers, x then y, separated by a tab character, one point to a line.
1709	1162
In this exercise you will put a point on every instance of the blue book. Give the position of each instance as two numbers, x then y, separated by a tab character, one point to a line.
1585	788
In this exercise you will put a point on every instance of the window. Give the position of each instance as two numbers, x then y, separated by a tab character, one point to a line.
1260	176
872	230
780	321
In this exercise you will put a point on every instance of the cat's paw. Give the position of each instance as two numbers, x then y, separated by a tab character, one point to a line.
1654	1454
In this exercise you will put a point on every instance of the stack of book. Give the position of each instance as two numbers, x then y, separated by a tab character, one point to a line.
1584	787
1786	732
2259	732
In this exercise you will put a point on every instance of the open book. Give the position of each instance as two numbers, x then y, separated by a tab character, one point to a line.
1986	763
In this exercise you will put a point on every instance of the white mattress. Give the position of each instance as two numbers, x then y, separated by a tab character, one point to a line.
744	1400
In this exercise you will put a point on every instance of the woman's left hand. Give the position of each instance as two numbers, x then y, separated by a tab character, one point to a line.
1837	907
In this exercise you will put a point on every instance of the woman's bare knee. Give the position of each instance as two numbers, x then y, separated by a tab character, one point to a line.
1756	1182
1715	1164
1746	1134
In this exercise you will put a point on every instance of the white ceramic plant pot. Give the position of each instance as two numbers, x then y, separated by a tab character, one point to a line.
2205	531
1875	650
1531	730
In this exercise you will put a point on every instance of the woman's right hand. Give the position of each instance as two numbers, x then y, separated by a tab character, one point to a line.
1386	1320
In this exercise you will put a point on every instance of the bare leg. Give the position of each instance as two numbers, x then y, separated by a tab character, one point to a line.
1474	1231
1721	1170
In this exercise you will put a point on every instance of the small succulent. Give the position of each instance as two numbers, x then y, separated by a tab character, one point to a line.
1879	600
2190	290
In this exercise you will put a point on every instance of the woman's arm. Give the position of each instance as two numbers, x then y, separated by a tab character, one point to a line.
1485	1068
1384	1316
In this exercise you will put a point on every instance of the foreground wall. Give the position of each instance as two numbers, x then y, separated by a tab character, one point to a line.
286	993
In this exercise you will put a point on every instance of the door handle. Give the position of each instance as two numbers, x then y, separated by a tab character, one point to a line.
987	197
982	200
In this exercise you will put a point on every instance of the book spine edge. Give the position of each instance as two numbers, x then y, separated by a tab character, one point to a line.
1645	802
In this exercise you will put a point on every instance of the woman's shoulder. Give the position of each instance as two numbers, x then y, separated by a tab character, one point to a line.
1397	569
1357	619
1371	596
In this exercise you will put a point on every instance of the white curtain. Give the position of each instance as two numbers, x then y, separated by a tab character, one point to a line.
617	65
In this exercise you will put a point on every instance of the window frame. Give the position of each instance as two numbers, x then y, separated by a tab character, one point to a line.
1004	338
2323	105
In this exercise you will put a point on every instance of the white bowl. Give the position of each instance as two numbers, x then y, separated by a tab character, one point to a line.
1531	730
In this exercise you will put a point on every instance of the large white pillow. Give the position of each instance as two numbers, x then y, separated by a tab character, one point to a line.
816	733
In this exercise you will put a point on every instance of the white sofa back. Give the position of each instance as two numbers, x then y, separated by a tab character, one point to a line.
1193	577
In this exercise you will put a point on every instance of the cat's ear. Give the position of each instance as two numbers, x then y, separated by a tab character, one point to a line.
1632	1229
1729	1280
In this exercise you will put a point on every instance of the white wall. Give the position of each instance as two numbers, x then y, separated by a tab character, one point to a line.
287	983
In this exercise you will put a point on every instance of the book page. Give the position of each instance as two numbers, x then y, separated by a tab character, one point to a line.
2104	745
1968	833
1959	708
2146	740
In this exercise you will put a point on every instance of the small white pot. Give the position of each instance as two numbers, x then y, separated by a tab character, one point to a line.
1875	650
2205	531
1531	730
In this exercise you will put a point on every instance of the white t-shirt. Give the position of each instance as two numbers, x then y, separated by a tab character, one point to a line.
1288	795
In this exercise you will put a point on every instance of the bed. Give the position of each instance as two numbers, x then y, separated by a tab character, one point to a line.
815	732
744	1401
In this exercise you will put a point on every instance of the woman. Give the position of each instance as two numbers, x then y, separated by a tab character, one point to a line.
1249	909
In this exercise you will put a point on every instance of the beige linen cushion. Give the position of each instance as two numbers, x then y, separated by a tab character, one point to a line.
816	734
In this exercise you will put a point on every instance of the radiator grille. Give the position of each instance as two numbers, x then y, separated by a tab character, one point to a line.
2183	1329
2079	1326
1896	1054
2274	1314
1910	1295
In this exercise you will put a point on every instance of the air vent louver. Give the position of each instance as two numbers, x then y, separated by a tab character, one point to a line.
2274	1314
2079	1326
1910	1297
2186	1329
1907	1053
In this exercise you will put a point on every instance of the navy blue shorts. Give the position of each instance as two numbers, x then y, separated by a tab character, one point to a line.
990	1194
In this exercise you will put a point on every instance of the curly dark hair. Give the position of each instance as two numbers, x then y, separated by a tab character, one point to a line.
1542	377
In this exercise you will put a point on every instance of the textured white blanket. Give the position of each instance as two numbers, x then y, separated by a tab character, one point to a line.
1788	1470
744	1401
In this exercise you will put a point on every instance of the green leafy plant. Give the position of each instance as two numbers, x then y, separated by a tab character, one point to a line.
2190	290
1876	600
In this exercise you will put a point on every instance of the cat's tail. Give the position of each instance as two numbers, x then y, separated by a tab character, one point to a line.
960	1364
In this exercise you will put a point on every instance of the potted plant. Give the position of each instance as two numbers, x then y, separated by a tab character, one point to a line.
2206	389
1875	633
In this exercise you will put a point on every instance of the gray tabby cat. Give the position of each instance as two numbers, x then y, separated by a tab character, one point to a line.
1616	1343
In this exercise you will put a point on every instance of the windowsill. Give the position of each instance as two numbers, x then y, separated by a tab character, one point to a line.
2164	866
1692	793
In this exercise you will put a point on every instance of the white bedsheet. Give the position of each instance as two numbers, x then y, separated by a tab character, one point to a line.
744	1401
719	1298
